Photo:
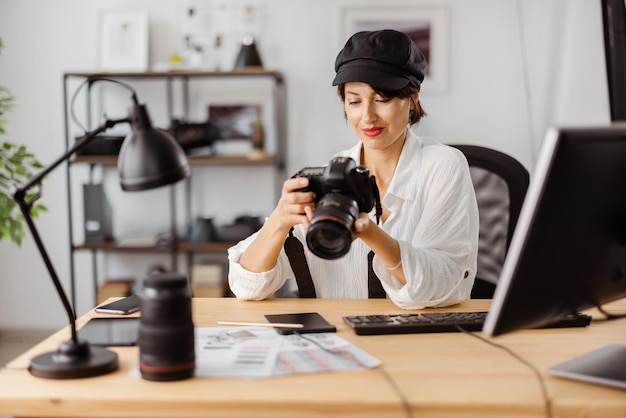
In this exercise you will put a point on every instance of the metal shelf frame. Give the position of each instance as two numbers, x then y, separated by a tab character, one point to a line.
177	246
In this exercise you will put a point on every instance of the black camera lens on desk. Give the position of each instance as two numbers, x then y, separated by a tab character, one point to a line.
166	331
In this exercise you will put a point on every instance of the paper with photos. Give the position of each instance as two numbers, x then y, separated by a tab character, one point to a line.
262	352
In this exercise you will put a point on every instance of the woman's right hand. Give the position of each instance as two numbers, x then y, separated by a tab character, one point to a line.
262	253
291	207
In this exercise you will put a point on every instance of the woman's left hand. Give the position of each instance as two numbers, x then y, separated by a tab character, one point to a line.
361	225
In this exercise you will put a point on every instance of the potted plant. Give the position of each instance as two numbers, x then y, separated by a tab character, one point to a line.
17	165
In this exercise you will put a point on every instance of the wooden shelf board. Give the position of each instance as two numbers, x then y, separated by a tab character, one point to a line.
244	72
204	247
113	246
193	160
183	246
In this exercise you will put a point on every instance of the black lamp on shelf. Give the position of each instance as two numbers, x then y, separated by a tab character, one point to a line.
149	158
248	55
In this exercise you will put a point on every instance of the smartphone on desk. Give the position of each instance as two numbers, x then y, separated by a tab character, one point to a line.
124	306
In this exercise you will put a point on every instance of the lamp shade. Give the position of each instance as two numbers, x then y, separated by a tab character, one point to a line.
248	55
150	157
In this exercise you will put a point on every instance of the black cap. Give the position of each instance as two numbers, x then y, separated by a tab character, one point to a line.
385	59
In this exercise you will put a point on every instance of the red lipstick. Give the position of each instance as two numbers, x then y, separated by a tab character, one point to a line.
371	132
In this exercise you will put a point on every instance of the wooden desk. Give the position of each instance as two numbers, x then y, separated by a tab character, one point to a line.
441	375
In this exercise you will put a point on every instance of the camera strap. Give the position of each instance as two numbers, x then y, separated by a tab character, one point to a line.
374	286
295	253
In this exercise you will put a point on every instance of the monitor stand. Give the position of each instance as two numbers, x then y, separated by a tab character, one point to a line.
604	366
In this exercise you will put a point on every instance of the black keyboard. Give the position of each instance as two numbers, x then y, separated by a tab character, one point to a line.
412	323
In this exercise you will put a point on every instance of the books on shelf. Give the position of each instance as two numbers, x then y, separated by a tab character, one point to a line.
115	288
206	281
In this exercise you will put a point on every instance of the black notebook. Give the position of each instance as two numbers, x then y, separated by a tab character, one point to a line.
312	322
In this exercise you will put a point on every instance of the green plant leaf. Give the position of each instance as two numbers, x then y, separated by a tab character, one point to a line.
17	165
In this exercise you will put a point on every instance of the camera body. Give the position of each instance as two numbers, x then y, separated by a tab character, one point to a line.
342	190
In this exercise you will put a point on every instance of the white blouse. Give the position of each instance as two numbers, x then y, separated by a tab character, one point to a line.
434	218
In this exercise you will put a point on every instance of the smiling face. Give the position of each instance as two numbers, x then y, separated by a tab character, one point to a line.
378	121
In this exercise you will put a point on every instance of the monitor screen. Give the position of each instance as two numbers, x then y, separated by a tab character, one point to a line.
568	251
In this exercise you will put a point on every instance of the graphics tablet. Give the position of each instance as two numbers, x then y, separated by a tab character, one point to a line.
118	331
312	322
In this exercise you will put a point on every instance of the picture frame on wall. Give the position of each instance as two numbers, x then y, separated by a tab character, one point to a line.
427	26
123	41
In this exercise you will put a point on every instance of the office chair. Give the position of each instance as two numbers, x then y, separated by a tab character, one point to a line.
500	182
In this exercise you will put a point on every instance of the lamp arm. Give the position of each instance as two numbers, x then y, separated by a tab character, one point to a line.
19	196
87	138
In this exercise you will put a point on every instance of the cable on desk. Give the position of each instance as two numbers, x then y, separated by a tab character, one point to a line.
542	383
382	370
608	315
396	388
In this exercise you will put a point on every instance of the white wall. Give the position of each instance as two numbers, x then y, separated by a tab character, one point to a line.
515	67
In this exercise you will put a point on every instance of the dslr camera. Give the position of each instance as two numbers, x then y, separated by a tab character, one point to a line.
342	190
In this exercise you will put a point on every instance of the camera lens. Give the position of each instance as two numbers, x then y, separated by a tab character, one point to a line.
332	226
166	332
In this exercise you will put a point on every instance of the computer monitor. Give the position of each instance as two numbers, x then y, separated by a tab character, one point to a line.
568	251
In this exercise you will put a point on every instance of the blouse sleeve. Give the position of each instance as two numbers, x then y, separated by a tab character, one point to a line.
439	262
249	285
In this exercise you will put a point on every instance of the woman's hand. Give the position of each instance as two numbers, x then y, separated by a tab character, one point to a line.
263	252
294	207
361	225
386	247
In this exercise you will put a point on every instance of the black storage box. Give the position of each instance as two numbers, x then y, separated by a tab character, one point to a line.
102	145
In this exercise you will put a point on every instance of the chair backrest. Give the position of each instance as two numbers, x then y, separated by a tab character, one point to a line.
500	182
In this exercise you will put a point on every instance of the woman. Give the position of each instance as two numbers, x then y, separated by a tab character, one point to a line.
425	249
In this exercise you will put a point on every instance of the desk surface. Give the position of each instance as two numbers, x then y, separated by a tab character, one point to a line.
440	375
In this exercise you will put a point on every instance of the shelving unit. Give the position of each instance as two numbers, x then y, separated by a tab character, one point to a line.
178	245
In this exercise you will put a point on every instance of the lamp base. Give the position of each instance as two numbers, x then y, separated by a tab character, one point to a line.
74	360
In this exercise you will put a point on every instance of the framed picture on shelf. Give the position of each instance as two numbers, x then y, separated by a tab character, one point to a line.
427	26
235	123
123	41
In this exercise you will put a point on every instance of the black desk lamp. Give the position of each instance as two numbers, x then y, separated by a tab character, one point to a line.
149	158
